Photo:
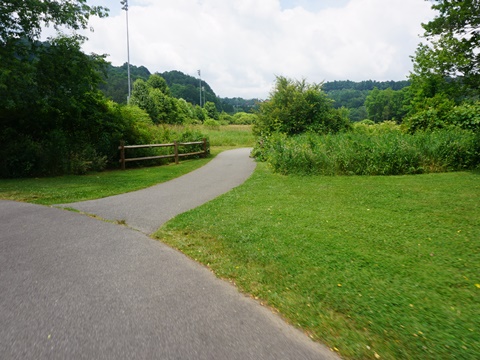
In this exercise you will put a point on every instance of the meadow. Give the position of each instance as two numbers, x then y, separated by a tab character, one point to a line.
375	267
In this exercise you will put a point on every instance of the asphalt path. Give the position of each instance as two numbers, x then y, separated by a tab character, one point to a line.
74	287
146	210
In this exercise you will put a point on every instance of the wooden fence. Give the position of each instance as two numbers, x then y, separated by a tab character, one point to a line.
175	154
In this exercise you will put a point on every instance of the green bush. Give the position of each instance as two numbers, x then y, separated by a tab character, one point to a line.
390	153
440	112
243	118
211	124
295	107
369	127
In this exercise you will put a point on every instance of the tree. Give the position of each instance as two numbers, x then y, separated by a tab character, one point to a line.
153	96
384	105
295	107
211	110
21	19
155	81
454	49
53	119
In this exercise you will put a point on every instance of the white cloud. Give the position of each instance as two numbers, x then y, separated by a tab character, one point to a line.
241	45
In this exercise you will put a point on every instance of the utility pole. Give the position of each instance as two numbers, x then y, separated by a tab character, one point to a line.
200	86
125	7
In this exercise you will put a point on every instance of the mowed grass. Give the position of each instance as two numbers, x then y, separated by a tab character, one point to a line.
66	189
374	267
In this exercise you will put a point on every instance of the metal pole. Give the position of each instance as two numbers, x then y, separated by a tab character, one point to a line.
200	86
125	7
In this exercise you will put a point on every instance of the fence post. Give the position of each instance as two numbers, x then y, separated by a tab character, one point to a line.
122	154
176	151
204	147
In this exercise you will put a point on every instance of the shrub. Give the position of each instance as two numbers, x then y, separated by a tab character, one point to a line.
391	153
369	127
211	124
440	112
243	118
295	107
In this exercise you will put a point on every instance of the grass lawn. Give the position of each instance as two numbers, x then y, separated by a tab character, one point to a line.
374	267
65	189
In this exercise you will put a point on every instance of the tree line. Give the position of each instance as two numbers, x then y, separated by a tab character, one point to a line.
63	111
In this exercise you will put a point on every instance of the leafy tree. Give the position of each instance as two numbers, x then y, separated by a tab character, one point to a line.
200	113
295	107
155	81
211	110
141	98
153	96
24	19
384	105
115	82
454	49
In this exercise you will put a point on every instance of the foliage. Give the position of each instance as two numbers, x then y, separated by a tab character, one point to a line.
441	112
153	96
386	152
384	105
454	36
115	84
211	124
295	107
25	19
352	95
375	267
53	113
369	127
188	88
211	109
362	86
237	104
242	118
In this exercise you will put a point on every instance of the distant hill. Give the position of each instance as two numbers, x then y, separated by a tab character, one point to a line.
352	95
182	86
116	84
349	94
364	85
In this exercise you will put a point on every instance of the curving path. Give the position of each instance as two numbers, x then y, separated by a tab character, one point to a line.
73	287
146	210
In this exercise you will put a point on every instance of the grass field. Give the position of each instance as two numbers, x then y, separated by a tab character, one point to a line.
65	189
375	267
229	136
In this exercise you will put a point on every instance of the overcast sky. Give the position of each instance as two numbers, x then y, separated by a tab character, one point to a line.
240	45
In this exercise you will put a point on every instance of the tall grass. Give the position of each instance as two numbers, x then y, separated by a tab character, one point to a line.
361	153
224	136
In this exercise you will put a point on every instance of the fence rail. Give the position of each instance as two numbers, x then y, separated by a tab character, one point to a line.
123	160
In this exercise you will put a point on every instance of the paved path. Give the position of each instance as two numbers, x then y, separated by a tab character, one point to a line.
146	210
73	287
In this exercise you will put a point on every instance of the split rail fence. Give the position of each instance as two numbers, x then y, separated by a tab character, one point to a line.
176	155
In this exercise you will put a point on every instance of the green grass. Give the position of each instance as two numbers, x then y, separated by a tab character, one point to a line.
65	189
370	266
231	135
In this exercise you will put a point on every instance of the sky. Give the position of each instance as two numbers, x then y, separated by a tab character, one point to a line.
241	45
